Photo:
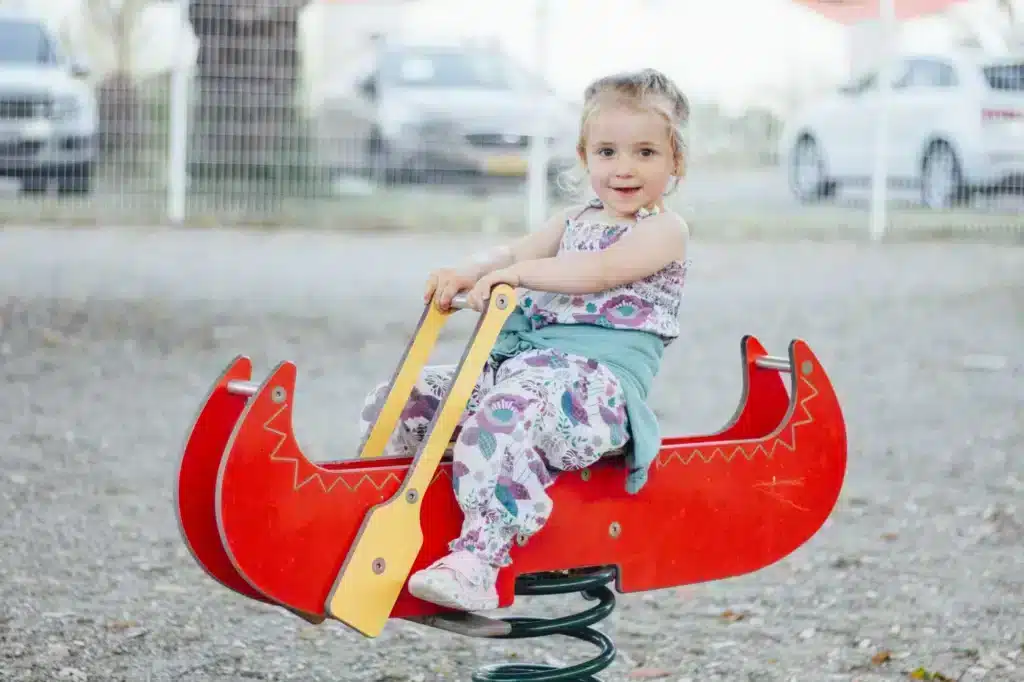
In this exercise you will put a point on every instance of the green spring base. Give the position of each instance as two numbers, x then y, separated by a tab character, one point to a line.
592	585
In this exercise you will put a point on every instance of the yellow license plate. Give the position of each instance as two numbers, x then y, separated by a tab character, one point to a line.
506	165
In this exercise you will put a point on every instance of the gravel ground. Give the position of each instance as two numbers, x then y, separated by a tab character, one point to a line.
109	339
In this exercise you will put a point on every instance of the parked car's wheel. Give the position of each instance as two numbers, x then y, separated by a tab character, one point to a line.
34	183
75	179
942	182
380	159
560	190
808	176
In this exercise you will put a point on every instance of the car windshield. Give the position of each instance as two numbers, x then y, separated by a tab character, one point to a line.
469	69
1005	76
25	42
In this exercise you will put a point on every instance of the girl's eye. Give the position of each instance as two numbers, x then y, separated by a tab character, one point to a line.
605	151
647	152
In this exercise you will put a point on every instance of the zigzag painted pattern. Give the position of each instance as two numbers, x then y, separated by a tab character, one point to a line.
317	476
683	455
664	458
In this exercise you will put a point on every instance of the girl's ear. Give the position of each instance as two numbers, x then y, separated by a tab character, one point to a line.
582	154
680	168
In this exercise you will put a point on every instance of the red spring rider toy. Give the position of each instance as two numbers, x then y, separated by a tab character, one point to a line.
340	539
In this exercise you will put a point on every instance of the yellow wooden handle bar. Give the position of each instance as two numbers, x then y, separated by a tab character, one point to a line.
385	548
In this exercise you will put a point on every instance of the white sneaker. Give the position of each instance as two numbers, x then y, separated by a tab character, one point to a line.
458	581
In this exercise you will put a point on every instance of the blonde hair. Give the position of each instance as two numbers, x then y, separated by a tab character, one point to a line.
644	90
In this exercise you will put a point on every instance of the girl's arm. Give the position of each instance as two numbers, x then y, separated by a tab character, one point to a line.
537	245
649	247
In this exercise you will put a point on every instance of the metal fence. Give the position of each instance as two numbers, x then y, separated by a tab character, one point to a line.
244	136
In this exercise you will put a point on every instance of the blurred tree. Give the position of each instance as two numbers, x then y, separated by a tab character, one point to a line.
120	108
247	76
1014	11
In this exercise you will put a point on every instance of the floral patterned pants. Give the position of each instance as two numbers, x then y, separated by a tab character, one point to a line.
530	417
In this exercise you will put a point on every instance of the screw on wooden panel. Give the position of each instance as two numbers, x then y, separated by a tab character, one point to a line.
502	302
615	529
278	395
806	367
378	566
585	474
520	539
411	496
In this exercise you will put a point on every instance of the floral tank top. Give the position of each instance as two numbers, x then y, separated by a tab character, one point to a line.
651	304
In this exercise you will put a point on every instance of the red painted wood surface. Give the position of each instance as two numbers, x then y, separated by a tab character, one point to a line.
196	491
855	11
714	507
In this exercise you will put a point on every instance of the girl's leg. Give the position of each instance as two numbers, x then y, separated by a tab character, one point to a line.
547	412
424	399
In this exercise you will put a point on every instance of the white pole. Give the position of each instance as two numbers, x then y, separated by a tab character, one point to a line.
177	176
880	174
537	173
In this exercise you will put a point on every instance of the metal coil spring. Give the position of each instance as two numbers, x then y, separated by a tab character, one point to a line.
592	585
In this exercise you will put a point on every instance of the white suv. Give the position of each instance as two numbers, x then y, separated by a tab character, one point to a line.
48	114
956	127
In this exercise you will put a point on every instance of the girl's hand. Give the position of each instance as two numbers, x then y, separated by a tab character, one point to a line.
481	291
443	284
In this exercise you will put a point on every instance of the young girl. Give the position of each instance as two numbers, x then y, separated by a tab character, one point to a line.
567	381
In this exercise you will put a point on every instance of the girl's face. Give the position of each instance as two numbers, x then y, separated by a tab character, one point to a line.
629	158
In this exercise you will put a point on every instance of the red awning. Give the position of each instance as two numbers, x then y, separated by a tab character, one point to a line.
855	11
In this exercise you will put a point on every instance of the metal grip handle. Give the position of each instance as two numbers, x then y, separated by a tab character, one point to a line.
461	301
774	362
